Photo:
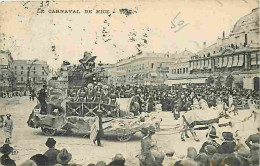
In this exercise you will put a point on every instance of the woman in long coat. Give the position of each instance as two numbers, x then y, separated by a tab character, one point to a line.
8	128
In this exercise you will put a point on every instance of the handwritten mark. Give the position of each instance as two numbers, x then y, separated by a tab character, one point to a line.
178	24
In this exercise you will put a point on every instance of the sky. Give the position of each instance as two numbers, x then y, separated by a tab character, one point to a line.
151	26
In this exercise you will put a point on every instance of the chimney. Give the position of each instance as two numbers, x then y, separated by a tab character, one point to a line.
204	45
223	34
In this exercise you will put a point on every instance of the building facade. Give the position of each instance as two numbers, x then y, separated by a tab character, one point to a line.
30	74
6	74
144	69
238	54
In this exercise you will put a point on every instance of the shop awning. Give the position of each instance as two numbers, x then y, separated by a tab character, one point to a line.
253	59
225	60
230	60
220	62
206	64
235	61
209	66
191	65
198	64
194	65
202	64
240	60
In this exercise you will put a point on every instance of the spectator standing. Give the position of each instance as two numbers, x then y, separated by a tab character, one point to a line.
6	150
211	141
42	95
8	128
228	146
52	152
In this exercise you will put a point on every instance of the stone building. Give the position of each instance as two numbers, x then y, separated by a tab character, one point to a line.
144	69
6	75
237	54
30	74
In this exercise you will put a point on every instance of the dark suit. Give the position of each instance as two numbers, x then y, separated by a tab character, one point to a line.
52	155
228	147
6	161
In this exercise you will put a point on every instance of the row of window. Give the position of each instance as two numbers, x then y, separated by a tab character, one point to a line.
33	79
180	70
33	68
132	68
22	72
223	62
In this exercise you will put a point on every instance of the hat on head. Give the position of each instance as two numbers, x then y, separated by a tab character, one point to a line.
119	157
64	157
228	136
8	115
50	142
213	134
6	149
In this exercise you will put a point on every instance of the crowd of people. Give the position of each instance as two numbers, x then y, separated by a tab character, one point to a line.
52	157
172	98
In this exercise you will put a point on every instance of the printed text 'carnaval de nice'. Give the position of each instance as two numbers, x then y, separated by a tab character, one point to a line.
68	11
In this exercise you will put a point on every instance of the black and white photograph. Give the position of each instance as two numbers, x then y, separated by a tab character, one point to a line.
129	83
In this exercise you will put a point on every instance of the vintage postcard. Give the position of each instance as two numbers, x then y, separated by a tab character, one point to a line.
116	82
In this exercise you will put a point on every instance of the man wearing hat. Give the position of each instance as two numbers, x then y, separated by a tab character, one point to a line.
8	128
42	95
100	131
147	158
211	141
229	144
52	152
64	157
5	160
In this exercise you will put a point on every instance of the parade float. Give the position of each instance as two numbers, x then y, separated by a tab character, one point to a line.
68	115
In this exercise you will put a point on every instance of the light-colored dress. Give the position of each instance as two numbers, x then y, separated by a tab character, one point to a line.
8	128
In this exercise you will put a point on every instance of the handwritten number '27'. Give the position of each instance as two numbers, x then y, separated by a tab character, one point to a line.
178	24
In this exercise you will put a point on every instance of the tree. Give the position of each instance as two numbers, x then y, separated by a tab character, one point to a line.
229	81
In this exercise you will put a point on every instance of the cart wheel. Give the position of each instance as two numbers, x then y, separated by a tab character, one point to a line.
124	138
48	131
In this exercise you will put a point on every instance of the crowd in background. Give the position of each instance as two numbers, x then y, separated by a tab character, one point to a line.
10	94
171	96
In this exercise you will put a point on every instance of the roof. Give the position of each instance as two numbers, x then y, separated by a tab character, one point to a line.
247	22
